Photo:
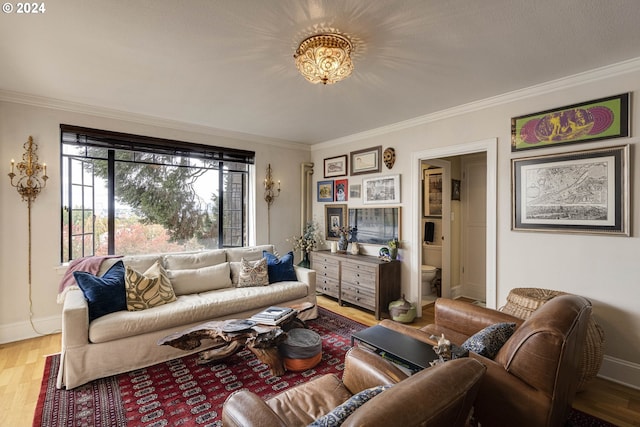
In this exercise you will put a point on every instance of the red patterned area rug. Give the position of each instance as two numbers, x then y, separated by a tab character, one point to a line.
182	393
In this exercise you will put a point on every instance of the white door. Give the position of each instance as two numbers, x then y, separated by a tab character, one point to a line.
474	226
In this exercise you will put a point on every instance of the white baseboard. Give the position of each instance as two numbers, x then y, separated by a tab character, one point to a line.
620	371
23	330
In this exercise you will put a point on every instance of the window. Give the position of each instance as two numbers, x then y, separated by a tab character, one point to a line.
128	194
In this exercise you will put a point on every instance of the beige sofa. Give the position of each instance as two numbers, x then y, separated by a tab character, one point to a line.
205	284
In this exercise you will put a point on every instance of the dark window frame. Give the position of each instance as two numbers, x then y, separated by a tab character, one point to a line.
114	141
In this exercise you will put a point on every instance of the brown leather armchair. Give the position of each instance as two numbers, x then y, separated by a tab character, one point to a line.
438	396
533	378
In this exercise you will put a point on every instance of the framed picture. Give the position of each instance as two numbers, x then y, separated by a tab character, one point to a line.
354	191
603	118
455	189
382	189
334	216
432	196
341	190
325	191
366	161
335	166
375	225
580	192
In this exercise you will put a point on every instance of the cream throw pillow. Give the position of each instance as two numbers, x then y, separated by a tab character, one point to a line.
253	273
197	280
147	290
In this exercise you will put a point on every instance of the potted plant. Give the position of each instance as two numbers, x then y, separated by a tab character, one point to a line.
310	239
393	248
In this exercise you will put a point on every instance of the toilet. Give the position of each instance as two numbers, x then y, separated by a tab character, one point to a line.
431	265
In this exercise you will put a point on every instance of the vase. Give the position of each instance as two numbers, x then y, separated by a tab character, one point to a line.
305	260
343	243
393	253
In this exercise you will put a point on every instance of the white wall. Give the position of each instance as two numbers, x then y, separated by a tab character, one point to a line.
42	118
605	269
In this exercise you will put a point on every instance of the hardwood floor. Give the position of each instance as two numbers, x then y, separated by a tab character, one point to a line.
22	366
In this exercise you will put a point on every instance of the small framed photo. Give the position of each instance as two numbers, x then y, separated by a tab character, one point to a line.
325	191
335	216
335	166
579	192
341	190
382	189
366	161
354	191
432	196
455	189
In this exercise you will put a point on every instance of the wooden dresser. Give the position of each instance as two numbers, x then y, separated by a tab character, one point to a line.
361	280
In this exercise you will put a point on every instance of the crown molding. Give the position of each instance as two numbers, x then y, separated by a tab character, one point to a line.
109	113
606	72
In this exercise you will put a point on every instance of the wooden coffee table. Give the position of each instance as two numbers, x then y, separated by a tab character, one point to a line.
230	335
402	349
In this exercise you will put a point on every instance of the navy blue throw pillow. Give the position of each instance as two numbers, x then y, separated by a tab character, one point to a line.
104	294
280	270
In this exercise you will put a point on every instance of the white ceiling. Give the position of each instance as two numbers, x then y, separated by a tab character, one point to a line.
228	64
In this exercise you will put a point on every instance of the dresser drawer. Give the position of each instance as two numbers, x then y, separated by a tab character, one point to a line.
360	268
328	286
360	278
326	270
362	297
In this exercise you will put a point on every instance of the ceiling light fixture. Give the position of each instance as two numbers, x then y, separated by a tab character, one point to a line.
324	58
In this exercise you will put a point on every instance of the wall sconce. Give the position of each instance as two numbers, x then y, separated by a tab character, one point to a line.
270	192
29	183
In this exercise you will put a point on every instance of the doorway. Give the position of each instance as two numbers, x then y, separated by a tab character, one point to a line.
489	148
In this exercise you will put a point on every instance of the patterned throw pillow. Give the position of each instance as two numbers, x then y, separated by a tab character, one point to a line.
341	412
104	294
253	273
490	340
151	289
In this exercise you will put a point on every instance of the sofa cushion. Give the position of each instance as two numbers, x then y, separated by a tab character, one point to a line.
196	280
341	412
148	289
252	253
253	273
192	308
104	294
488	341
137	262
280	270
188	261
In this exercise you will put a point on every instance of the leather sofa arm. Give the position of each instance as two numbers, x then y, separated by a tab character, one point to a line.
438	396
244	408
75	320
307	276
466	318
364	369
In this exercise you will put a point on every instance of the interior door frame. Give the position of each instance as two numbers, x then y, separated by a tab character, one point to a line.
488	146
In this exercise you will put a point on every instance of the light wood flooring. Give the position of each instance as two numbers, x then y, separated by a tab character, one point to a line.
22	366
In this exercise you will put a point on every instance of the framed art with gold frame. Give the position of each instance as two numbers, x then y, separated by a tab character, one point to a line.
334	216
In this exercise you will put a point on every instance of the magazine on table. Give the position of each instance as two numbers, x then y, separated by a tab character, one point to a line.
273	315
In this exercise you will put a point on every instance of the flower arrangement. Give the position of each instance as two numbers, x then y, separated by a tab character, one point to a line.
343	231
310	239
